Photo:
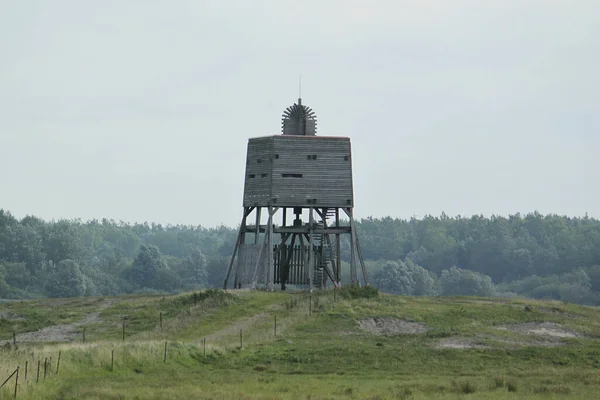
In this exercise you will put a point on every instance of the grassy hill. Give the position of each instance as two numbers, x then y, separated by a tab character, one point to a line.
353	346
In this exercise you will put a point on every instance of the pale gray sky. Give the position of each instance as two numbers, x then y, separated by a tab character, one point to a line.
141	110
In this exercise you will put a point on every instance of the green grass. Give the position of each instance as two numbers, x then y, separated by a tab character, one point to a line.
318	356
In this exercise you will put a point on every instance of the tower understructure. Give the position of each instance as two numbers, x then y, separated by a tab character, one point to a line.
304	183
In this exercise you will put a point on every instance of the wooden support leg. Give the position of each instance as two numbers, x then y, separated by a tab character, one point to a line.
311	269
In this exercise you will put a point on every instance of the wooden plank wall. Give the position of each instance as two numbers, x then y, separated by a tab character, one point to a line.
298	275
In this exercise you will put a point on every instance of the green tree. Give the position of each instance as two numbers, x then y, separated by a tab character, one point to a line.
146	266
196	268
395	277
405	278
63	241
456	281
66	280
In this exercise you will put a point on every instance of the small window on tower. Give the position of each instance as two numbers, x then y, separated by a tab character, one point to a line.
346	158
263	175
276	155
258	161
251	176
291	175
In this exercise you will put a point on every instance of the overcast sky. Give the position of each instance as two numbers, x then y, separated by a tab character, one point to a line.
141	110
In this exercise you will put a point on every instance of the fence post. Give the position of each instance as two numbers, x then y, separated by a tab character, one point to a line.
112	359
58	362
123	330
165	357
161	321
26	370
45	366
83	335
204	347
16	382
38	372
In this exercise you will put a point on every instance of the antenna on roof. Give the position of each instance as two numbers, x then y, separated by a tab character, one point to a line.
300	89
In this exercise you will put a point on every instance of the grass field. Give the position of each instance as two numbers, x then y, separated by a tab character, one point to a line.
383	347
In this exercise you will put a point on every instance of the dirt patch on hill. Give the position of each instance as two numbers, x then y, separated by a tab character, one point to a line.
518	344
391	326
458	343
11	316
62	332
546	329
234	328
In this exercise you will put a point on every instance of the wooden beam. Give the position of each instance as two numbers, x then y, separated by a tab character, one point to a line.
229	268
258	259
300	230
311	269
257	225
360	258
270	250
338	245
353	271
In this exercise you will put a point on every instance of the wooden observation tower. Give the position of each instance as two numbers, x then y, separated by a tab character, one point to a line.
304	182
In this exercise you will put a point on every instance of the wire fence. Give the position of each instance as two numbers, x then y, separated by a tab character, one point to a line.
49	366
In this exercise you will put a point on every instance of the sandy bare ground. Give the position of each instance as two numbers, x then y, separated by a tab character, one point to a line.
547	329
458	343
11	316
391	326
62	332
533	334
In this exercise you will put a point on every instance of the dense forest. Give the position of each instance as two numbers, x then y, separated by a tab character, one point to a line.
539	256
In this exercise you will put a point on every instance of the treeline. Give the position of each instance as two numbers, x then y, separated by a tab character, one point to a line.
73	258
542	256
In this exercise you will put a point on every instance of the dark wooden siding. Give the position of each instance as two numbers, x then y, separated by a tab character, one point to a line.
299	171
257	186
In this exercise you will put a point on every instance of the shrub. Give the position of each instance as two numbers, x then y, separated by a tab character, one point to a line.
355	292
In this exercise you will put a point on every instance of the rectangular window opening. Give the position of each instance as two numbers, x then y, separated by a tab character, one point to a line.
263	175
251	176
291	175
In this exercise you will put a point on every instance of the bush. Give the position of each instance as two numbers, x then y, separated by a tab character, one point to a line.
355	292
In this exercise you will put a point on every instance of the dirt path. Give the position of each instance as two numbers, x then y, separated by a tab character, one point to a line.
234	328
62	332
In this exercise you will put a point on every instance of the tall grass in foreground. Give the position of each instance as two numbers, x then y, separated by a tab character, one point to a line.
319	352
